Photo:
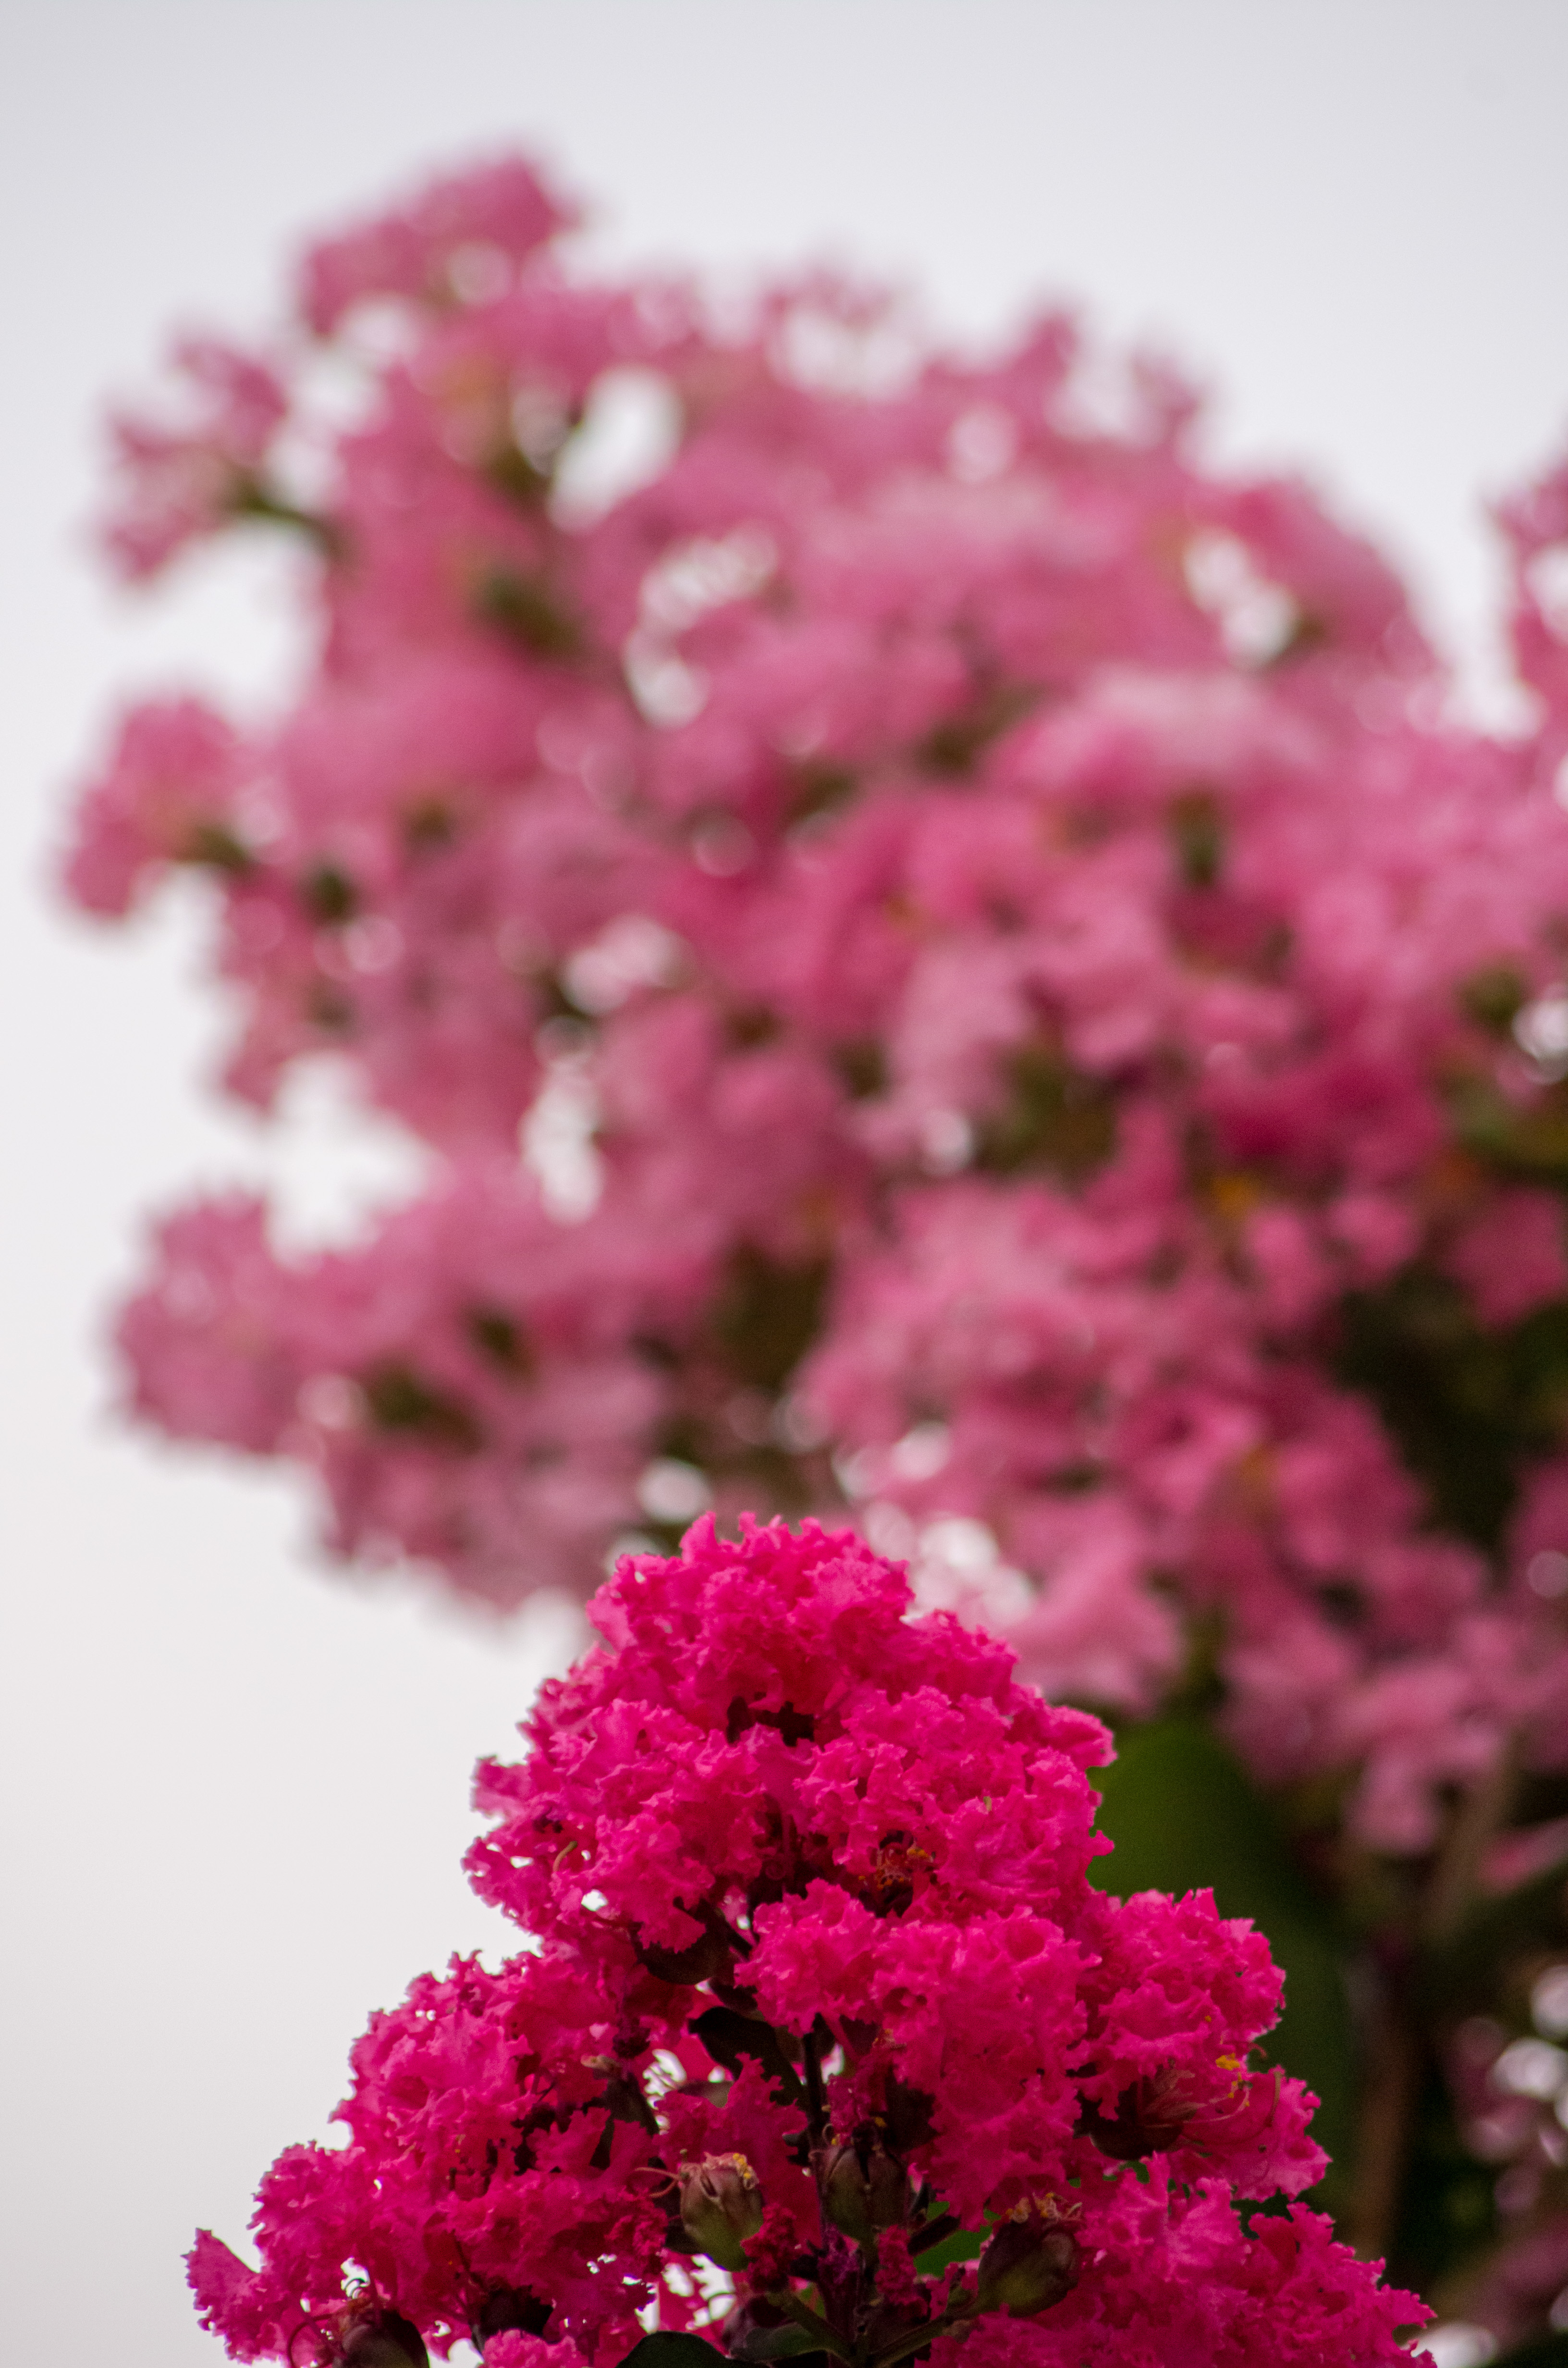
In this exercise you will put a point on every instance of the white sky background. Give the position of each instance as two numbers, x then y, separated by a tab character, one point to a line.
237	1784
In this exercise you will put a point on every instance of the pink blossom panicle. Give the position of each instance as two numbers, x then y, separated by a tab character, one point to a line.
984	932
817	1972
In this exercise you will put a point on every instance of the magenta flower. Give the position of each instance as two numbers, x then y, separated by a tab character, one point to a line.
816	1984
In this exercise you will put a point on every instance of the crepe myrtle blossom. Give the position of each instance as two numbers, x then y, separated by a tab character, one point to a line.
953	964
816	1984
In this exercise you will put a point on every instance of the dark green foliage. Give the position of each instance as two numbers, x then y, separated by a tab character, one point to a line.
673	2351
1197	828
758	2343
1529	1140
1494	997
524	608
1053	1118
820	790
512	472
767	1314
502	1340
731	2037
953	747
1446	2210
215	845
963	2245
398	1400
1464	1404
429	825
863	1065
1546	2352
328	894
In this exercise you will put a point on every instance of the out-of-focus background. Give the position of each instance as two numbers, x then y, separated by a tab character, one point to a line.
234	1789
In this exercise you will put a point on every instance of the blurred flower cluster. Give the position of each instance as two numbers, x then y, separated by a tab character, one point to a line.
956	969
825	2044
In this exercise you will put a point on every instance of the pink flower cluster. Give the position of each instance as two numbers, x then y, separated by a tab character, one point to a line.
818	1984
933	942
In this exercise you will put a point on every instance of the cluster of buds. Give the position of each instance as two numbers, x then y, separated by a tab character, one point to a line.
1029	2262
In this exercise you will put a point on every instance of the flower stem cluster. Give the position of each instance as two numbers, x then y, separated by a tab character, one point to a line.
734	2091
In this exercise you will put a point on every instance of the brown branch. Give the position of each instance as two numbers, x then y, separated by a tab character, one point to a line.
1394	2051
1382	2131
1456	1876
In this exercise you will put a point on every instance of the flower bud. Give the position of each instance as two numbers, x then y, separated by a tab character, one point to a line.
379	2338
864	2188
721	2206
1028	2264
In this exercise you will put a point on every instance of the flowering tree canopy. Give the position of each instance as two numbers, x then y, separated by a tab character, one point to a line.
988	944
956	969
821	2005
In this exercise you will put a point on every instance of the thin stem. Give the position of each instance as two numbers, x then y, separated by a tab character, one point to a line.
1394	2051
786	2299
816	2100
636	2096
916	2337
932	2232
1384	2130
1475	1822
254	498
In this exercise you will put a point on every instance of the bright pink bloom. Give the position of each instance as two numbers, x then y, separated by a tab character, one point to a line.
817	1967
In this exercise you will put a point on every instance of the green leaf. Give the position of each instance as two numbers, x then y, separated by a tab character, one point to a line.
765	2343
1053	1117
671	2351
767	1314
1464	1403
730	2038
1185	1817
963	2245
525	607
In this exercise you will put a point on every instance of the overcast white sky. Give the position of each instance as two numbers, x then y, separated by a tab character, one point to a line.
236	1785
